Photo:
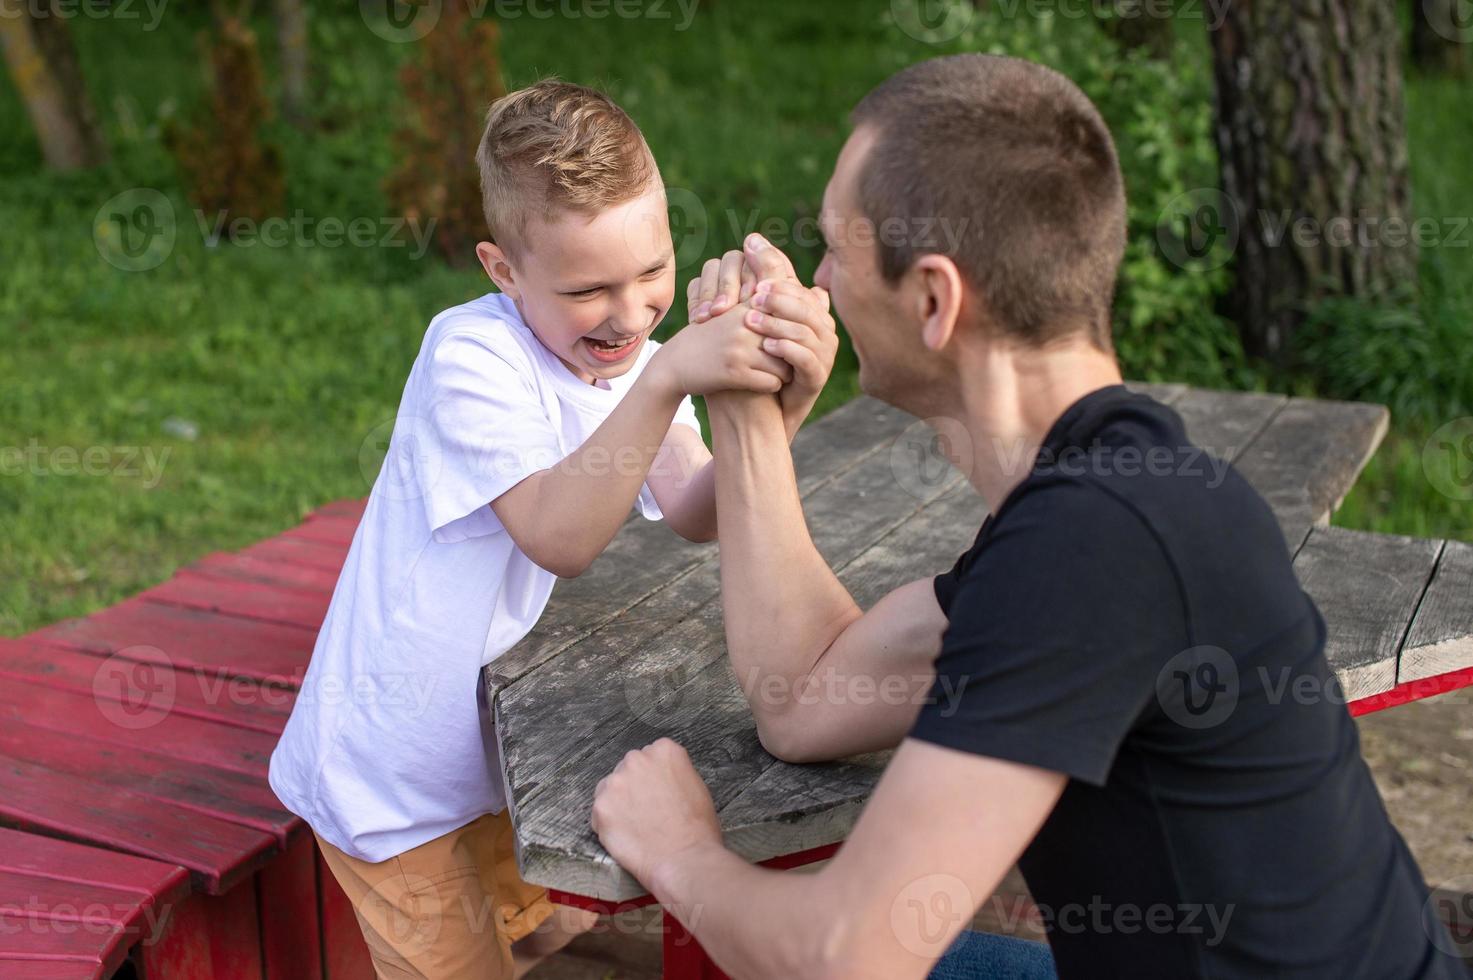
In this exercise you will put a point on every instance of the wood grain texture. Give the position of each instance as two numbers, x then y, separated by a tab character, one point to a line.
1225	423
1441	637
1167	392
646	557
705	710
1367	587
597	684
594	687
1307	459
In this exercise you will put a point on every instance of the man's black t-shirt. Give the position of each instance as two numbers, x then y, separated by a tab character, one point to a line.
1129	617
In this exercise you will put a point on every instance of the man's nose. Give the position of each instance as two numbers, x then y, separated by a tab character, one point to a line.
824	274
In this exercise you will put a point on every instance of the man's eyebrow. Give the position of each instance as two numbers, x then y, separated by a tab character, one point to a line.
656	267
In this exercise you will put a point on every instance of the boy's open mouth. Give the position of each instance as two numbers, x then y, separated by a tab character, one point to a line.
610	351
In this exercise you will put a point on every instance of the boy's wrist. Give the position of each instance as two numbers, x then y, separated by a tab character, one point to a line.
661	379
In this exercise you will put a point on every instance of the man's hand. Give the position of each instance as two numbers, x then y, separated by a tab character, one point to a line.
797	318
796	325
722	355
652	808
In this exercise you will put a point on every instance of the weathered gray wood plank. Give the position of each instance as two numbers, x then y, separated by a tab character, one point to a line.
646	556
678	631
1225	422
1441	637
1167	392
1308	458
1367	587
659	667
710	717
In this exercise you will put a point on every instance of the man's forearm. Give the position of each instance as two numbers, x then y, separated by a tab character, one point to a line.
745	917
783	605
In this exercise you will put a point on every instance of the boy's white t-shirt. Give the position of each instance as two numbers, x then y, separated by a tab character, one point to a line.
390	743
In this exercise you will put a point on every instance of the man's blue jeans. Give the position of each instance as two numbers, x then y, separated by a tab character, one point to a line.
977	955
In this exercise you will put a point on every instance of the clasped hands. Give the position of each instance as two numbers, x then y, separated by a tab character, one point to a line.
779	332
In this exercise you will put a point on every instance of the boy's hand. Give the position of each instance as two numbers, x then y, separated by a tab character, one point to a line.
795	323
721	355
729	280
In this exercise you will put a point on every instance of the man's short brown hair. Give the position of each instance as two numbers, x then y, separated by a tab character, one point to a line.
1020	155
557	145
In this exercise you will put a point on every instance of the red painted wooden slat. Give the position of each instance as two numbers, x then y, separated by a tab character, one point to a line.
182	947
86	953
342	508
215	936
188	638
253	600
226	565
147	725
1409	691
37	970
232	922
81	902
335	531
216	852
345	952
197	693
217	793
302	551
82	865
291	943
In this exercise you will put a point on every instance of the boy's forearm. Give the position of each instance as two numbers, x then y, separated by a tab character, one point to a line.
783	605
694	516
579	504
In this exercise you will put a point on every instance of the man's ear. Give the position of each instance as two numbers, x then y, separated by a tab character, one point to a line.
498	266
938	295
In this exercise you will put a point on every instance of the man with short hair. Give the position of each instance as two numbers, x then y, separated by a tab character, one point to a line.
1098	670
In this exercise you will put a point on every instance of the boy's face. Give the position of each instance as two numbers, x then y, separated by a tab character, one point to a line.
592	288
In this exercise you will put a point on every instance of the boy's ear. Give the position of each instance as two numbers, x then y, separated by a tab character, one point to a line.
498	266
937	293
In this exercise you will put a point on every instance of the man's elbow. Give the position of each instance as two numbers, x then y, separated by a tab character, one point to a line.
786	736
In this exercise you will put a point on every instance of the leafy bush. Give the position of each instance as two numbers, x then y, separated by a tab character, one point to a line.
226	165
448	89
1160	112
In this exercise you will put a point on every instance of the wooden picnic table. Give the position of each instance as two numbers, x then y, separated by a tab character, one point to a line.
634	649
144	728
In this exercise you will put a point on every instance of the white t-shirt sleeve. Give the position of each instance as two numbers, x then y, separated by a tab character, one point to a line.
486	431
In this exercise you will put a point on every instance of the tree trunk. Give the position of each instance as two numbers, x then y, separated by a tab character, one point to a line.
291	43
1311	132
1140	26
1438	36
42	61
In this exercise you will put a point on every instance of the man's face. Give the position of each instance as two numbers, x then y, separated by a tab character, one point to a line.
886	335
593	288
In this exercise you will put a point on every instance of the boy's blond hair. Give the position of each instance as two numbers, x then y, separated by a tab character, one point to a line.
557	145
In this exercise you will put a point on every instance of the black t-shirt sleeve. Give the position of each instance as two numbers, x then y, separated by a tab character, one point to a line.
1059	624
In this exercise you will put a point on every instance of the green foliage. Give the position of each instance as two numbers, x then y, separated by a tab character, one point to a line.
227	167
1160	112
259	374
455	75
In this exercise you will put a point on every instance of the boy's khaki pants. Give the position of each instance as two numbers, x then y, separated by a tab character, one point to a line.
448	909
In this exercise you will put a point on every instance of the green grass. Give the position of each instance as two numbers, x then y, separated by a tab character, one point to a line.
259	376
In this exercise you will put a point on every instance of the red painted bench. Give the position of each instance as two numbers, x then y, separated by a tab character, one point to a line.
146	729
72	911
